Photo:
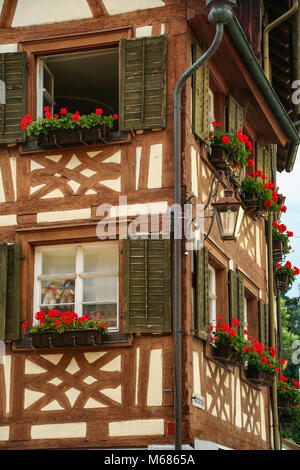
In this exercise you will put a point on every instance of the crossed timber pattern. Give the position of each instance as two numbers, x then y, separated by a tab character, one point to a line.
75	173
67	381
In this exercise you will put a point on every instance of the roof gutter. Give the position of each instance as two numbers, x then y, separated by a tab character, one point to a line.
268	91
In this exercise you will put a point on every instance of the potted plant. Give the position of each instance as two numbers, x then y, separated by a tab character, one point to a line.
68	128
285	276
227	345
60	329
227	151
288	399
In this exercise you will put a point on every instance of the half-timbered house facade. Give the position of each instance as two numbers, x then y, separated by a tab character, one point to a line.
126	58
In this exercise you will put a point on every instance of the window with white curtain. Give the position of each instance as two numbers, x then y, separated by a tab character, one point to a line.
82	278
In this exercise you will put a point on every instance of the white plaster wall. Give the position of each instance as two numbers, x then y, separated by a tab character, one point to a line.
32	12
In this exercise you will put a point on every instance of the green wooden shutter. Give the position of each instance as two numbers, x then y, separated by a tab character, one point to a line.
236	299
13	73
13	300
200	82
143	83
263	318
263	160
147	286
202	293
10	290
235	115
3	284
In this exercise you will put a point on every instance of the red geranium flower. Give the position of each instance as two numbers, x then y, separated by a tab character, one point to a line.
99	111
225	139
251	162
63	111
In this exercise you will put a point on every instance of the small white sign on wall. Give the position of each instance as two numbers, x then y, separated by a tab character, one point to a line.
198	401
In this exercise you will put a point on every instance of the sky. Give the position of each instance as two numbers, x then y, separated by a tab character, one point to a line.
289	186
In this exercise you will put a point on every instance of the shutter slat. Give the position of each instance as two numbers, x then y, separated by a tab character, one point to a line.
143	83
13	71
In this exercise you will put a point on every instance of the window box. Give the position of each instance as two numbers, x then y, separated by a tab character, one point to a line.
278	251
252	203
67	338
259	377
227	354
222	162
62	137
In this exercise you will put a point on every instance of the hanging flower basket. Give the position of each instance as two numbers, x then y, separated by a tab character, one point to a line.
68	128
287	420
285	406
66	339
259	376
226	354
220	159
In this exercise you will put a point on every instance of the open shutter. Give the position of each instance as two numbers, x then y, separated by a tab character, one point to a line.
200	80
147	286
143	83
3	283
236	299
263	318
10	287
235	115
13	74
202	293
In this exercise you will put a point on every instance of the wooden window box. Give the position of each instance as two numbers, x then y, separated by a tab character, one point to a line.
227	354
223	163
278	252
282	282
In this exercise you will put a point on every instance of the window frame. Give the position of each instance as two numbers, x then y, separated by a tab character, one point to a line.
78	276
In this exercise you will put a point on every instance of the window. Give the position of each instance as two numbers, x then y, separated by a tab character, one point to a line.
80	81
81	278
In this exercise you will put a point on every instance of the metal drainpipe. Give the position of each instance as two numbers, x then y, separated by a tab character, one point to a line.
220	14
268	28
